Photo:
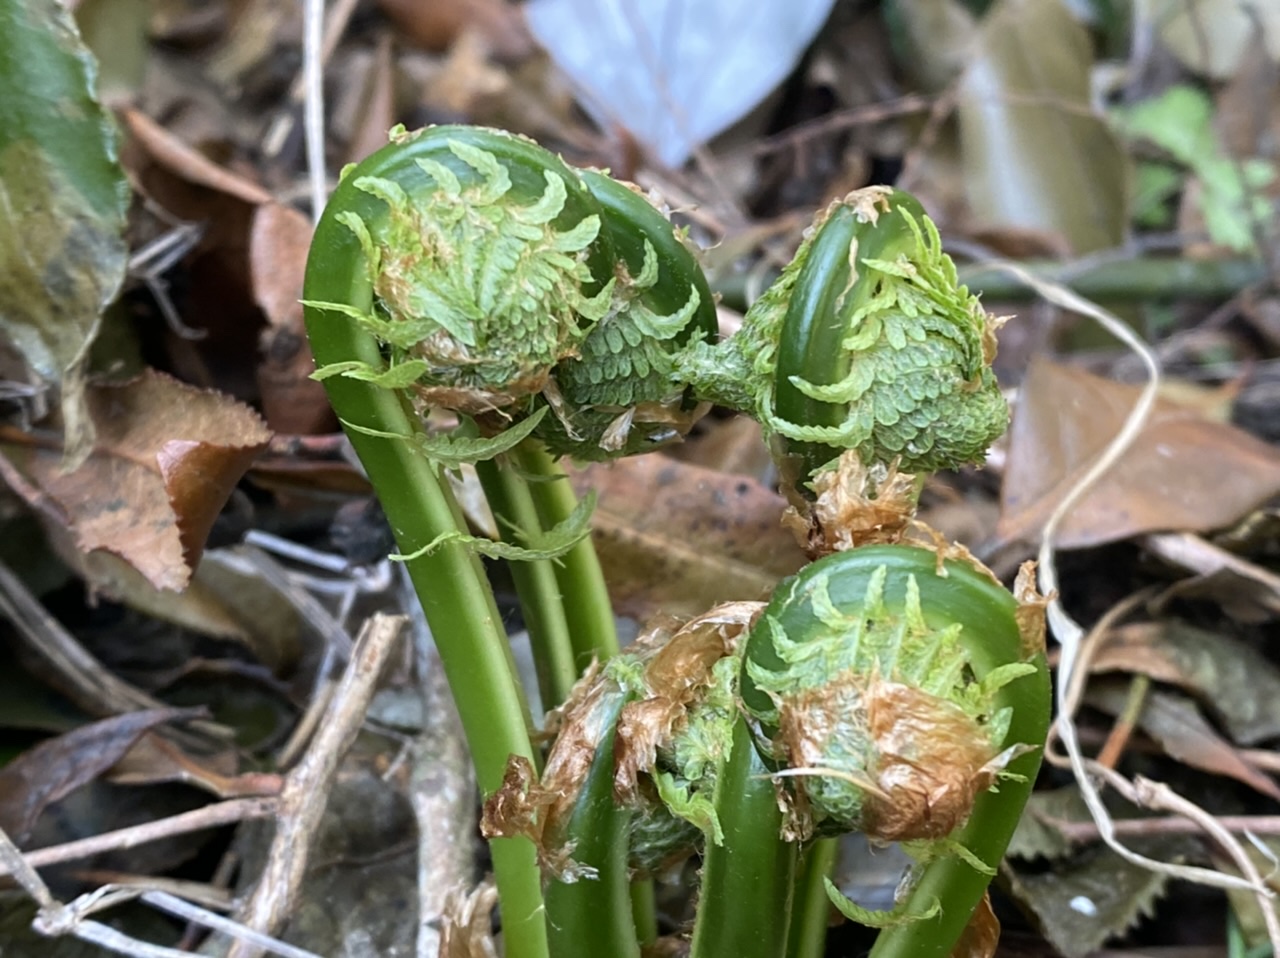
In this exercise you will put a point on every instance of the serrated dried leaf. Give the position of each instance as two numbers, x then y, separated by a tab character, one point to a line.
165	460
1239	685
1082	902
1036	836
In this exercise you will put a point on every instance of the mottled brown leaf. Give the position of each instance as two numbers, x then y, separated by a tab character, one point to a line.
1182	473
1239	685
1185	735
165	460
54	768
679	538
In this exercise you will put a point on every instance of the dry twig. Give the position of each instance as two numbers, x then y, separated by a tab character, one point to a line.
306	789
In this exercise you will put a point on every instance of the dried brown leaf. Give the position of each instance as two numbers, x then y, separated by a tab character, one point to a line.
189	163
54	768
436	25
1183	472
1176	723
165	460
678	538
982	935
154	759
1037	159
1237	683
292	401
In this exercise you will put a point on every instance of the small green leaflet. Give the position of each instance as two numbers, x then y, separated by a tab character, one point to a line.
551	544
398	376
454	451
875	919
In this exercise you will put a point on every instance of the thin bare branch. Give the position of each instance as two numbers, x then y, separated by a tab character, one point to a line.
307	787
210	816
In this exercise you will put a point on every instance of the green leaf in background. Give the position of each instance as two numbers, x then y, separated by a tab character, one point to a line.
1035	156
1180	122
63	199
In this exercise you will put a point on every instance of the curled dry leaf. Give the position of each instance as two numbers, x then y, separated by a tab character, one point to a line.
164	462
1182	473
56	767
675	537
188	162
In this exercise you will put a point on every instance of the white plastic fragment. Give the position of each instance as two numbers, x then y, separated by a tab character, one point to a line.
675	72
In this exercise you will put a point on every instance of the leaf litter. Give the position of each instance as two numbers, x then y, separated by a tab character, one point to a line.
672	535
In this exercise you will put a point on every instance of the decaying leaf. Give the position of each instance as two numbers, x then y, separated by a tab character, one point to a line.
165	459
981	936
1095	895
63	199
292	401
677	538
54	768
1239	685
1176	723
155	759
1035	158
1087	895
1183	472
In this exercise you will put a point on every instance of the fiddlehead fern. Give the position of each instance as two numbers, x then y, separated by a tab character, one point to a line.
866	342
